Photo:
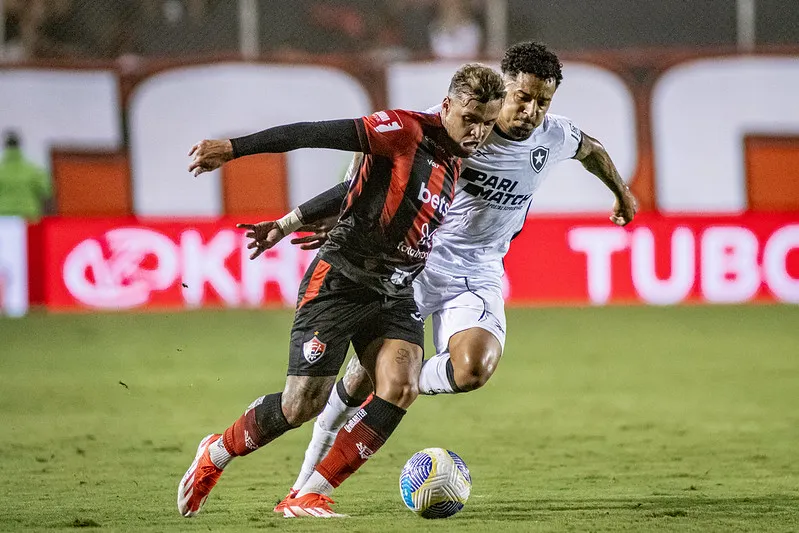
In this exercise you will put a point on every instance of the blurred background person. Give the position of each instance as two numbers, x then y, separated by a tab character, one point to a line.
24	186
455	32
319	26
61	29
13	48
168	27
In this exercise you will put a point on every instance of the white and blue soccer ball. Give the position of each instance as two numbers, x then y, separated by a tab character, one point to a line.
435	483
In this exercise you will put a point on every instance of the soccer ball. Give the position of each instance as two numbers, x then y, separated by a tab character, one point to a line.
435	483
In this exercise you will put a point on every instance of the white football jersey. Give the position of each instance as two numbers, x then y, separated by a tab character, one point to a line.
493	195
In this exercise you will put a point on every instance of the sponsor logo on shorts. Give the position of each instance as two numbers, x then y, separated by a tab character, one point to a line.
313	349
417	316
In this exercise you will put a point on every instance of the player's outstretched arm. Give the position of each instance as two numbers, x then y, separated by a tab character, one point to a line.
210	154
596	160
316	216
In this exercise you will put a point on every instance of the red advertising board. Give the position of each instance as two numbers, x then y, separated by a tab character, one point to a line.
129	264
656	260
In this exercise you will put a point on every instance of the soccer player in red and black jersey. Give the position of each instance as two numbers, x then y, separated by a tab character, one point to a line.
358	288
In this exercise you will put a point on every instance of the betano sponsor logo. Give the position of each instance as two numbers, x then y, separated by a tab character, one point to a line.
435	200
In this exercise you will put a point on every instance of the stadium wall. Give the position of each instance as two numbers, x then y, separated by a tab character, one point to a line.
716	170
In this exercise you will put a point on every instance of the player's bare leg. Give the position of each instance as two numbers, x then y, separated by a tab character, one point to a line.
344	400
475	353
267	418
471	360
395	372
304	397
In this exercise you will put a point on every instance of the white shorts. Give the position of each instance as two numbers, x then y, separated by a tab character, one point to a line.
458	303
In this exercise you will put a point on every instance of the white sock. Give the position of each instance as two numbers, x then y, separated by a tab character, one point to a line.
316	484
433	378
325	428
219	454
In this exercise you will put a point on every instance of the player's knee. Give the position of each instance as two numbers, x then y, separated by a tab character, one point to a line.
473	371
357	382
471	378
406	395
300	408
400	393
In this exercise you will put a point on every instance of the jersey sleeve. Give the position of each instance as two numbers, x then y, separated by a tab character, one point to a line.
572	136
387	133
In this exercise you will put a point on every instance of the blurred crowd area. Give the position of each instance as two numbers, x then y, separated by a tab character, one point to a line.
383	29
108	29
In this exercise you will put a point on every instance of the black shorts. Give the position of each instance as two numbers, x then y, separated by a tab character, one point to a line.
333	310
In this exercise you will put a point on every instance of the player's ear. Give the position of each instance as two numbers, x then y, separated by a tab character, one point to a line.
446	105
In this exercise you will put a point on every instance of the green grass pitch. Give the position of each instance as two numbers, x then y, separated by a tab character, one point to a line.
598	419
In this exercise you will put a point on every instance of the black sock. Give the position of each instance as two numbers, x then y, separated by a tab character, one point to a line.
383	417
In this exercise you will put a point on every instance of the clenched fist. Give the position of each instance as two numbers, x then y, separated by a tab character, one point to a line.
624	209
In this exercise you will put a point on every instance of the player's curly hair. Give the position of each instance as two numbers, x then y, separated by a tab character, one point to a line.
478	82
533	58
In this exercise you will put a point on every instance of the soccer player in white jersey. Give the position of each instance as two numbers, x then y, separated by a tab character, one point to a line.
461	286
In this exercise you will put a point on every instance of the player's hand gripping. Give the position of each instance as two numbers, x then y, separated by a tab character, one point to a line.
267	234
264	236
624	209
318	234
210	154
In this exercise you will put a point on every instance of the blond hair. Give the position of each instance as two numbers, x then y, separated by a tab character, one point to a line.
475	81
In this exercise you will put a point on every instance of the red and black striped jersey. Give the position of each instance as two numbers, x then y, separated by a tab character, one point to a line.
397	199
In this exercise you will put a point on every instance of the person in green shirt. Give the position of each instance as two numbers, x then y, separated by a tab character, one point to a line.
24	186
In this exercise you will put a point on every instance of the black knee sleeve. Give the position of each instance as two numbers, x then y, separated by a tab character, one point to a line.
270	418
